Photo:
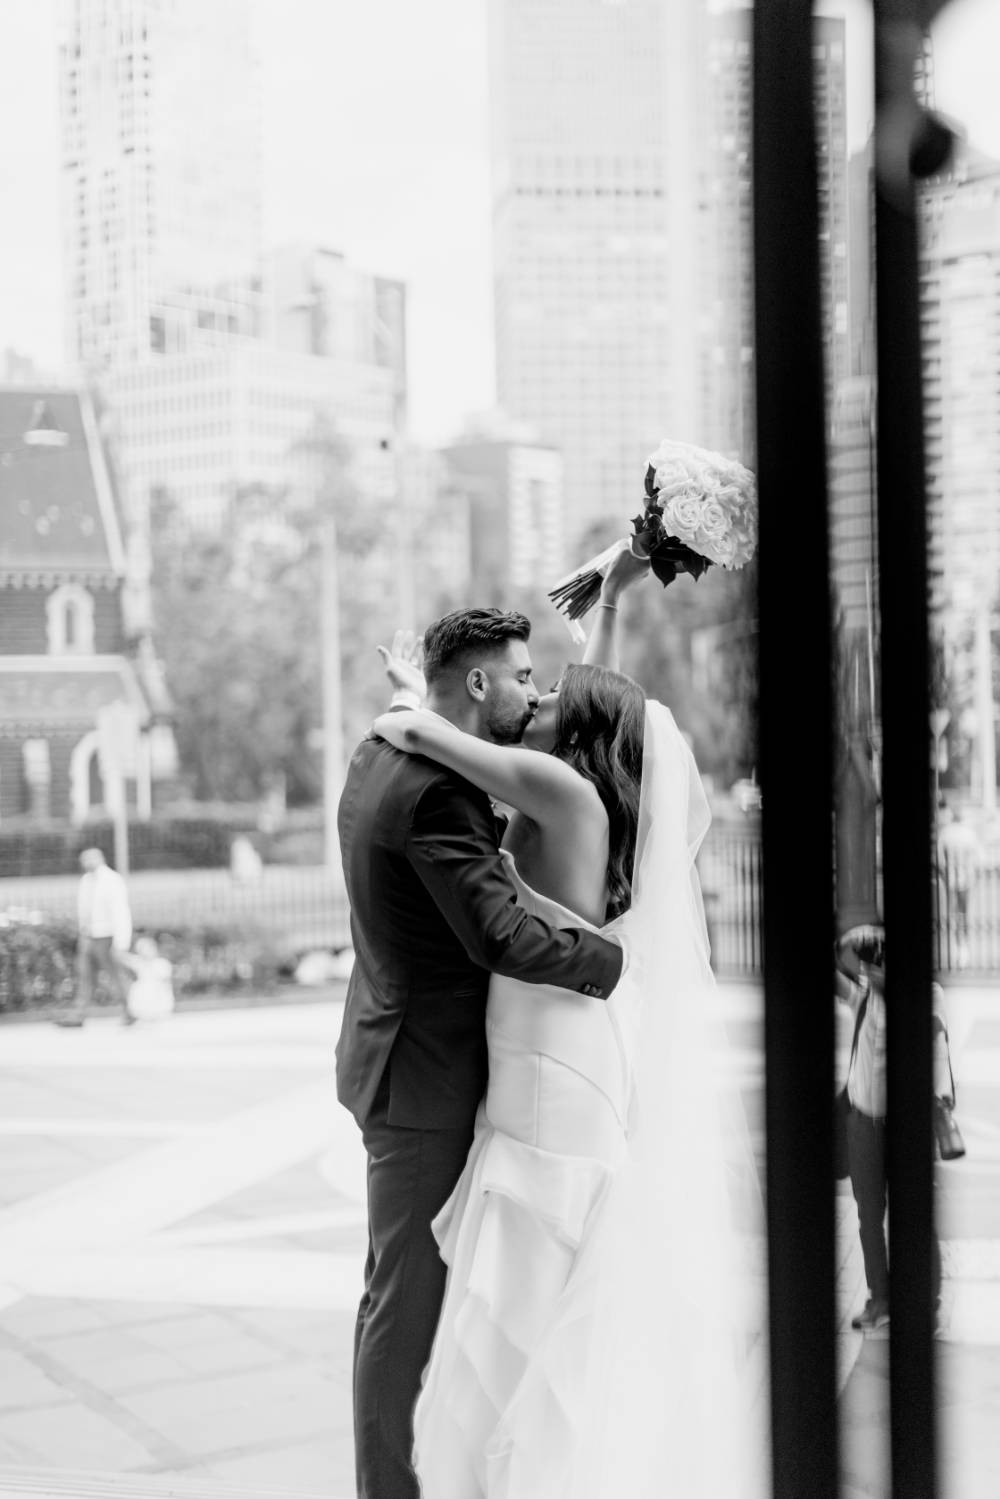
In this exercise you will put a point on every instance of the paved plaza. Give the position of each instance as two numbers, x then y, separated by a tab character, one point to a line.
181	1229
181	1242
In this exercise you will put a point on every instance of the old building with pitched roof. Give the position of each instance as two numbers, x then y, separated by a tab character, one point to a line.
83	707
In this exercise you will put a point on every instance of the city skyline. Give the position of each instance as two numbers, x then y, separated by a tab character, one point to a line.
378	149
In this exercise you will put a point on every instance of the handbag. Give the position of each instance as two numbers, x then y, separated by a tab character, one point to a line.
842	1107
947	1135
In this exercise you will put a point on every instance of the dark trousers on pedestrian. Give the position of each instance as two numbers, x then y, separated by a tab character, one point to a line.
866	1155
94	956
411	1175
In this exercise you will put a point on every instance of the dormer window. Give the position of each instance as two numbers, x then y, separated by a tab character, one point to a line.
71	621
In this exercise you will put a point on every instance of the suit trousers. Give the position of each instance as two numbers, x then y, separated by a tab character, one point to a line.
866	1154
411	1175
94	956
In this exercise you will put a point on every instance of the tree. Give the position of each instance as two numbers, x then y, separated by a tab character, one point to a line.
238	616
233	611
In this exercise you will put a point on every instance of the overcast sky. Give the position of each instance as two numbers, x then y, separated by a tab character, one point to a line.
375	142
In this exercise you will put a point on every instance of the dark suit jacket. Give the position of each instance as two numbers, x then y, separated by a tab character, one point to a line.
433	914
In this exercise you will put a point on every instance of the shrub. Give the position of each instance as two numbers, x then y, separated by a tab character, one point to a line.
216	960
162	843
192	835
37	959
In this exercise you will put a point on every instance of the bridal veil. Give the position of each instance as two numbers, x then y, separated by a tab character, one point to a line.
675	1354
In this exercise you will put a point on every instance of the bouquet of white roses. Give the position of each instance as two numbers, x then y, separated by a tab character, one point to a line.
699	508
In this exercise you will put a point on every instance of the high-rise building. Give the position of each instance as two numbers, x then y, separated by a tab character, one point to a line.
213	359
726	372
623	244
202	426
594	109
225	411
830	77
851	483
513	488
161	169
851	418
861	259
960	276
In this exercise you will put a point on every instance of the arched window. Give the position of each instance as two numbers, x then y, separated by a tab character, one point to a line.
37	768
71	621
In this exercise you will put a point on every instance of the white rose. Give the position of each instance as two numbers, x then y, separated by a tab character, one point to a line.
682	516
709	501
715	522
672	479
724	552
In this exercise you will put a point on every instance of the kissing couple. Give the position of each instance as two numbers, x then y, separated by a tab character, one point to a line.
557	1295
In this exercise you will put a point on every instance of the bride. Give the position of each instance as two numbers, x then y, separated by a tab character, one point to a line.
601	1327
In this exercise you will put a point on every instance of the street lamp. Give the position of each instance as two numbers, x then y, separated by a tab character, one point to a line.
940	719
985	708
333	728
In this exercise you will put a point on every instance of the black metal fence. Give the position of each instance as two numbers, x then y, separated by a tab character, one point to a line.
292	908
966	925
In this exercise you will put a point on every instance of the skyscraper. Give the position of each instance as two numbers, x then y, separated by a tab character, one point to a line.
213	359
594	110
960	274
227	411
623	245
726	371
161	170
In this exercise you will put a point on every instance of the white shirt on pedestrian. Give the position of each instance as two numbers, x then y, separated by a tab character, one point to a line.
103	908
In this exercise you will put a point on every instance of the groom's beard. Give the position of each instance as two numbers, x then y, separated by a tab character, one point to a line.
508	728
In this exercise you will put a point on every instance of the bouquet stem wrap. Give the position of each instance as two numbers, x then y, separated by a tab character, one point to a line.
579	591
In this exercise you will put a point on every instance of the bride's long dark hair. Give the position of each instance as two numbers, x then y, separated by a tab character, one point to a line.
600	720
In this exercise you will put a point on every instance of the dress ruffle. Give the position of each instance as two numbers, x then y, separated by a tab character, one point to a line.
505	1394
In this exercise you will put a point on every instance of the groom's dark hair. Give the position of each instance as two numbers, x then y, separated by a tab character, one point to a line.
468	633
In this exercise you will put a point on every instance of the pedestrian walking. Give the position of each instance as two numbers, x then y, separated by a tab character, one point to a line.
860	984
104	922
960	854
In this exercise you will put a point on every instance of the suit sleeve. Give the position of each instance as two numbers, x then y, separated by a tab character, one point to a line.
452	846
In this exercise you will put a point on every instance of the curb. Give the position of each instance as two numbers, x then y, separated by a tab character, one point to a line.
331	993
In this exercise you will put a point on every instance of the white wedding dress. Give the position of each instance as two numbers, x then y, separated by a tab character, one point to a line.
601	1332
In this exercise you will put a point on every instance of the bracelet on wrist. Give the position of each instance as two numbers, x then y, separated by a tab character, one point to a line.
613	607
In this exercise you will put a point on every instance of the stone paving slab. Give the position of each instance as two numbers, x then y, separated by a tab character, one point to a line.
119	1161
27	1482
170	1356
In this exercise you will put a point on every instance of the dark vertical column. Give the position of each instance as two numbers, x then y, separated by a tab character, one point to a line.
903	137
795	757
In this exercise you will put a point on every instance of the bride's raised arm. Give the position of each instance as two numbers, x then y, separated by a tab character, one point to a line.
545	789
602	644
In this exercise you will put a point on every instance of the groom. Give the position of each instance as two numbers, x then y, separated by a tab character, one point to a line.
433	914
